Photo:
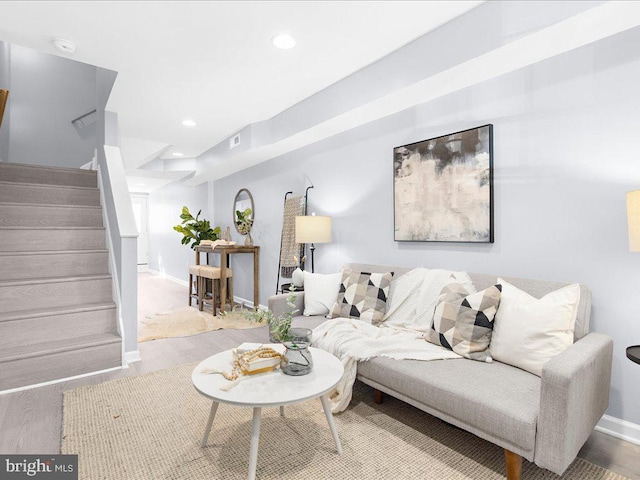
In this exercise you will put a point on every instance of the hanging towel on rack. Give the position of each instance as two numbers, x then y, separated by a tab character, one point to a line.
293	207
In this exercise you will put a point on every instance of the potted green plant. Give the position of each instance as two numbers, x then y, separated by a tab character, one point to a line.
244	221
297	358
194	229
278	326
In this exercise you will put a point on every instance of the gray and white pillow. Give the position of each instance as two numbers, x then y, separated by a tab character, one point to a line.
463	321
362	295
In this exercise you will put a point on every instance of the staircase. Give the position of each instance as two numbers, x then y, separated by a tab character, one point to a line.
57	316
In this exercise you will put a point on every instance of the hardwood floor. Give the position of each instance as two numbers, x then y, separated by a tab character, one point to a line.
31	421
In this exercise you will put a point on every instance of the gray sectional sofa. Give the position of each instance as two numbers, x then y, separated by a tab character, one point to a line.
544	419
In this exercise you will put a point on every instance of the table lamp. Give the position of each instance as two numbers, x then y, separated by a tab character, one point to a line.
633	220
313	229
633	223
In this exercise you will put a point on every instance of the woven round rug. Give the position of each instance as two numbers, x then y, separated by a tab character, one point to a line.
149	427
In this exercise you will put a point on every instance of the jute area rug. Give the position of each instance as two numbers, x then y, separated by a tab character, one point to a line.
149	428
187	321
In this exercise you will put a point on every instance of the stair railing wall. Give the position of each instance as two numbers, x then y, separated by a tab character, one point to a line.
122	233
122	236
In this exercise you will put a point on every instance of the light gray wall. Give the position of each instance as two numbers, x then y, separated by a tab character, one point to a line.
166	254
565	154
5	66
47	93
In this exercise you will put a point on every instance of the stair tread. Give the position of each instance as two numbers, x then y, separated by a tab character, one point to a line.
50	205
58	346
50	312
52	228
52	252
68	278
46	185
49	167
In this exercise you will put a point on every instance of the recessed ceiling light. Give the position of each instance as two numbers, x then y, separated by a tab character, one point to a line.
284	41
178	154
65	46
189	123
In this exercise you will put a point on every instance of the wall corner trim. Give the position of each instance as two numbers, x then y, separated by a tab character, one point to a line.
132	357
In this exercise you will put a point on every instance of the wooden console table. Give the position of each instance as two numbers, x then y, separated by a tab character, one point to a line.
224	251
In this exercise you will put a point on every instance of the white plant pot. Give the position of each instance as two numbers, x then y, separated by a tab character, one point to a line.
297	277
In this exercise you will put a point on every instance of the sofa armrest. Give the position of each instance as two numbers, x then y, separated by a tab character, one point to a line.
574	395
278	303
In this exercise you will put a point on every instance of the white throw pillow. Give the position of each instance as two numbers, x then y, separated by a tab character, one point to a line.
320	292
528	332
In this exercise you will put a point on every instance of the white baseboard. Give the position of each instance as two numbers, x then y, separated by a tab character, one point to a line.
132	357
247	303
618	428
184	283
236	298
60	380
143	268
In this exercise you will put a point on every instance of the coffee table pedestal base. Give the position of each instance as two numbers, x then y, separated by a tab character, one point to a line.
255	431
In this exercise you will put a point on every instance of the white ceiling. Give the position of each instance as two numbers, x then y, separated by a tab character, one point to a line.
213	62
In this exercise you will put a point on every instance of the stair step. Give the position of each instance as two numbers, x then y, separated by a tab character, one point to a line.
47	264
21	239
26	173
48	311
38	326
48	194
37	216
20	295
43	362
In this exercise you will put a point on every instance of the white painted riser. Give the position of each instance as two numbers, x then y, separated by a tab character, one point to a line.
28	240
45	368
18	296
42	328
23	173
51	194
37	216
53	264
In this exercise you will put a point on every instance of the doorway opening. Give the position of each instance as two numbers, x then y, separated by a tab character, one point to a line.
140	204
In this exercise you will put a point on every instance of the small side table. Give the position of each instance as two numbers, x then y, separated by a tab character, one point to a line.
286	288
633	353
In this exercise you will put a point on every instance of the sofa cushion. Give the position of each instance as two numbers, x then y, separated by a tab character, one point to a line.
498	402
308	322
362	295
463	321
528	331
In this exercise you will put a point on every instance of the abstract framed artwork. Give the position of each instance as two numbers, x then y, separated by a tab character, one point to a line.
443	188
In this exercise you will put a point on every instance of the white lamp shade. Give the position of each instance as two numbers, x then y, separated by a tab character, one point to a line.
633	220
313	229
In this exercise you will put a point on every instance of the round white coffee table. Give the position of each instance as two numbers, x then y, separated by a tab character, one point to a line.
268	390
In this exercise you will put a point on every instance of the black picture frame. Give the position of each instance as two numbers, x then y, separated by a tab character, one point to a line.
443	188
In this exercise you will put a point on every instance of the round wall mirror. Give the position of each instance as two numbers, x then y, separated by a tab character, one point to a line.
243	211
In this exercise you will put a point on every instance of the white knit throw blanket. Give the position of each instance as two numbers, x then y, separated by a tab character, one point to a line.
353	340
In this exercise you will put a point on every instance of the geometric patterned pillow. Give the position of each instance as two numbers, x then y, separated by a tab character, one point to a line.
362	295
463	322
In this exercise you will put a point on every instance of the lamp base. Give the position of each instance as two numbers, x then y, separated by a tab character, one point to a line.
313	248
